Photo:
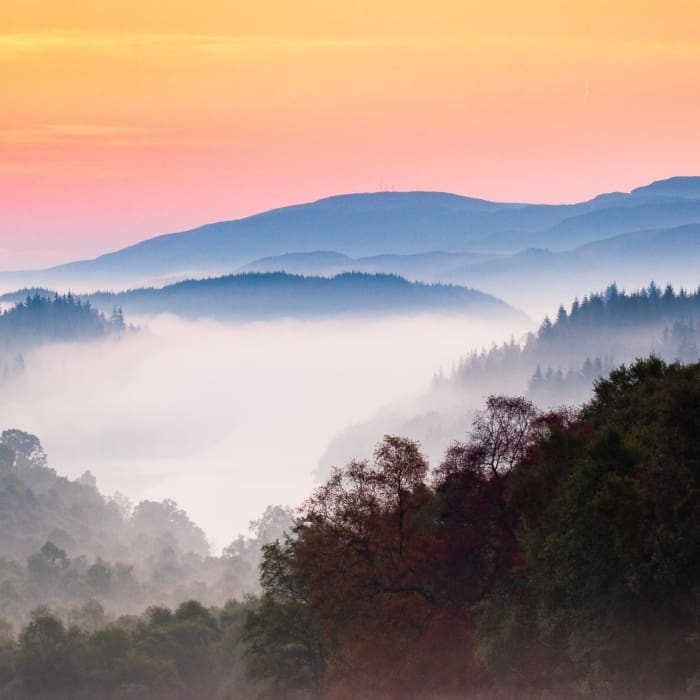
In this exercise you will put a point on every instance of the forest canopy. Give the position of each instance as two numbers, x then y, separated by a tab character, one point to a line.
551	553
554	552
38	317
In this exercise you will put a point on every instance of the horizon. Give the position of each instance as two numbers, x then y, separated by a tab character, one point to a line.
153	119
312	201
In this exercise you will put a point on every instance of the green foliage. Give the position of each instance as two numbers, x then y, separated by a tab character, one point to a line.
188	653
48	658
282	645
553	553
560	362
613	551
64	544
550	555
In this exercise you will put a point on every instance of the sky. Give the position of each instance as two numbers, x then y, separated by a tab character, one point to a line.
123	120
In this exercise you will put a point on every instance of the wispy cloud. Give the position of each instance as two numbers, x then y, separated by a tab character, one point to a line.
27	139
68	133
78	130
63	40
98	135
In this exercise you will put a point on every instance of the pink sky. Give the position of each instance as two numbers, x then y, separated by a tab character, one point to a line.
120	127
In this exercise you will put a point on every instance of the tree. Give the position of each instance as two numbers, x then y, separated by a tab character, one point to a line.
117	319
48	655
282	646
99	577
351	591
610	510
501	435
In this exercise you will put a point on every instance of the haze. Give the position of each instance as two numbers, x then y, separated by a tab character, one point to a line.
225	419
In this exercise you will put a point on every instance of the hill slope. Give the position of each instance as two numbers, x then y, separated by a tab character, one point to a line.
271	295
64	544
379	223
555	366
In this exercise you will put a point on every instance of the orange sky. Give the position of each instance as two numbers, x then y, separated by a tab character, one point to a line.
121	120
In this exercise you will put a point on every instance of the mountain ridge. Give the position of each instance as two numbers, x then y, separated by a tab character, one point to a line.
255	296
266	295
363	225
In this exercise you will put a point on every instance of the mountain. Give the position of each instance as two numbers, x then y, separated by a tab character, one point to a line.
428	267
628	259
317	262
274	295
375	230
671	187
617	220
357	224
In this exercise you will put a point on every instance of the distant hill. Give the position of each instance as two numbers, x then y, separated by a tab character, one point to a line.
372	224
36	317
274	295
615	220
317	262
535	278
39	316
538	276
671	187
553	367
428	267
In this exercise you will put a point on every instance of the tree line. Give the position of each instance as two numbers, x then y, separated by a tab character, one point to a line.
42	317
551	554
63	543
558	363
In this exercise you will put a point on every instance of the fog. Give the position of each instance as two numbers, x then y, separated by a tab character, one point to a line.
225	419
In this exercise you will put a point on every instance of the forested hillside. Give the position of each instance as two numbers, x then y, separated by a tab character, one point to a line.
273	295
556	365
64	544
43	317
551	554
37	317
563	358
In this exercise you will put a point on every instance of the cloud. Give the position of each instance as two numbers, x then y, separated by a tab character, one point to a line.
70	131
67	40
90	129
92	135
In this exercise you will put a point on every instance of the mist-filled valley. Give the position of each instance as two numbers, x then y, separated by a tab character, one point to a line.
555	365
203	506
329	482
349	350
323	476
225	418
